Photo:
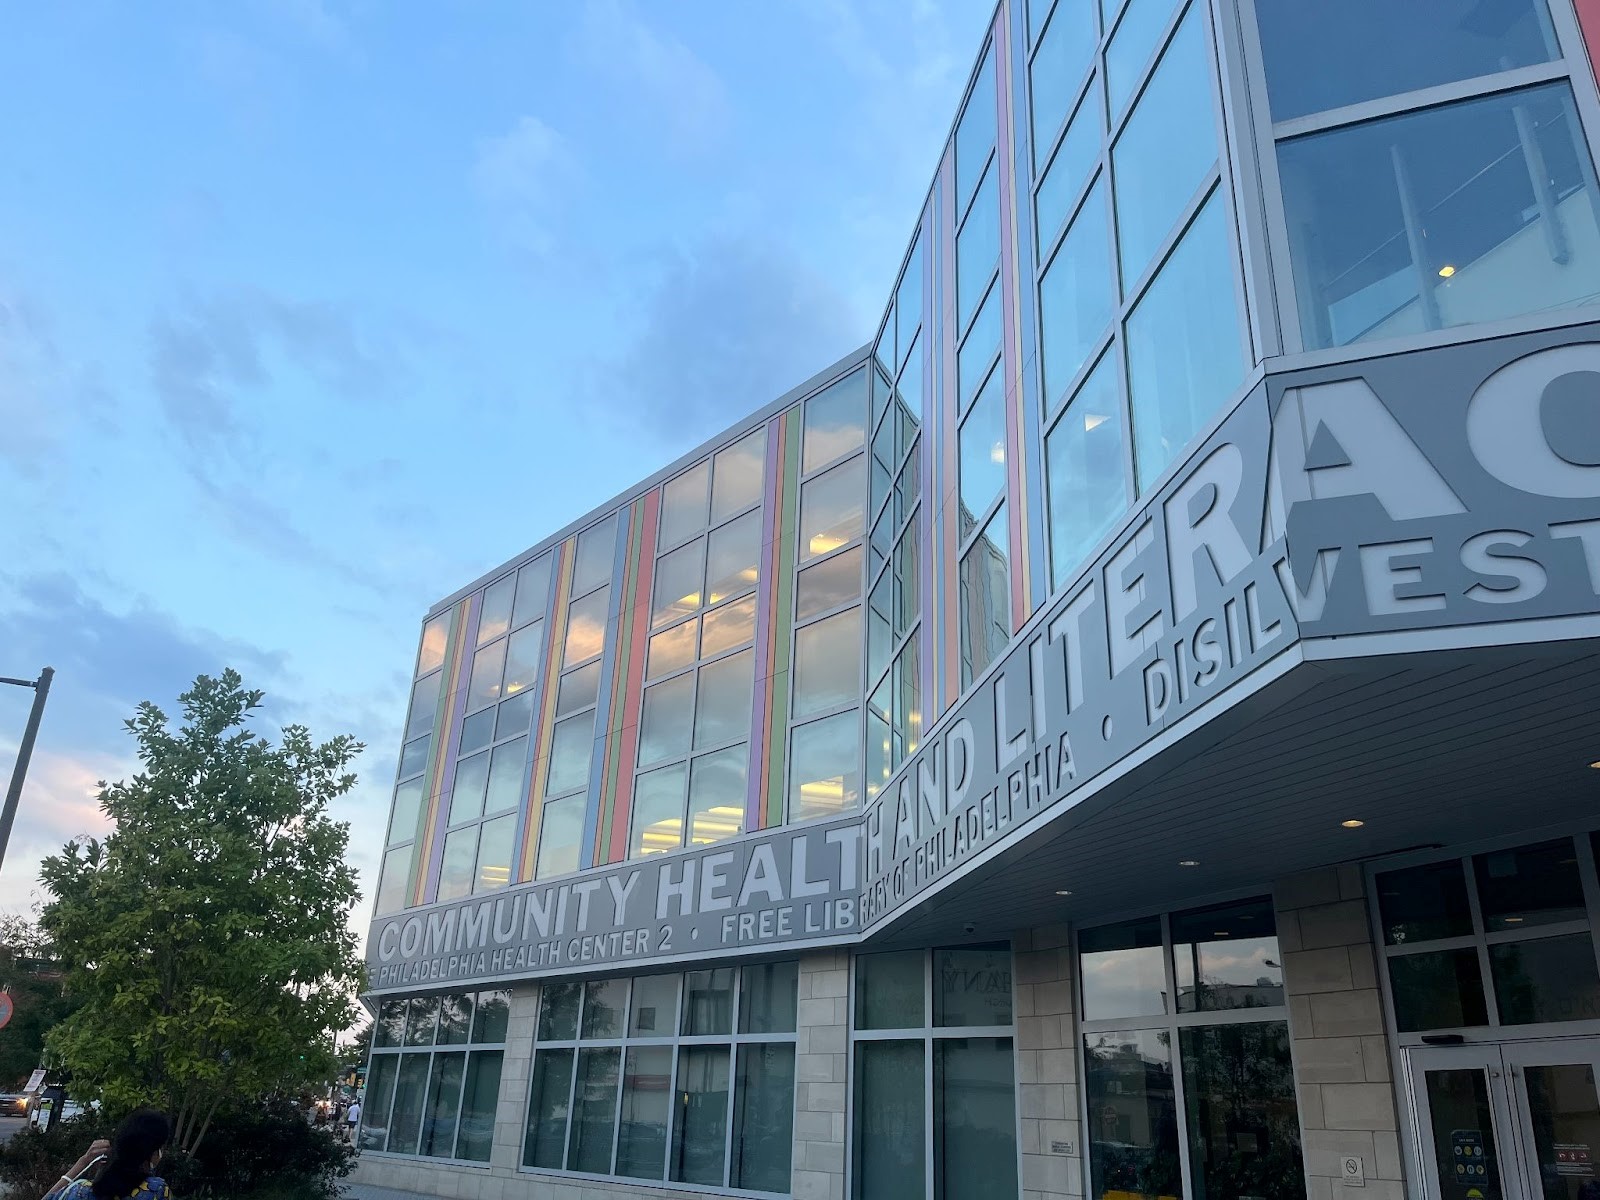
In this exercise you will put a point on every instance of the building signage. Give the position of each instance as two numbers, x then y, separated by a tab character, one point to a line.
749	894
1448	487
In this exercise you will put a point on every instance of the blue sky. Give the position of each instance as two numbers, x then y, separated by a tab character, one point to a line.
312	312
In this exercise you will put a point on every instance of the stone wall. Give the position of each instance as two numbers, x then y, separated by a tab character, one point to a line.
1047	1061
1347	1098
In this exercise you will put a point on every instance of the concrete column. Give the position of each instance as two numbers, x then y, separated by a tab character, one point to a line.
1047	1059
507	1146
1341	1059
818	1166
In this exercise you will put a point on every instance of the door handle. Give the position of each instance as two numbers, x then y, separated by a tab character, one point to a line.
1493	1074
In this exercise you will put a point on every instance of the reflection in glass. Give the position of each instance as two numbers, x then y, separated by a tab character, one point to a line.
514	715
594	1110
1227	958
1075	296
825	767
671	649
700	1127
1551	979
1438	990
492	1016
444	1098
664	719
880	625
479	1100
1561	1101
978	248
559	835
708	1001
488	665
558	1010
722	702
1057	69
533	591
981	348
396	882
733	558
834	421
414	756
907	701
494	854
604	1004
768	997
524	653
1469	212
653	1008
466	797
717	785
1184	359
737	474
1165	150
879	740
827	585
455	1019
380	1095
827	663
407	808
424	701
889	990
1084	461
578	689
405	1122
1321	56
546	1140
908	300
1121	970
646	1098
972	986
985	598
571	749
1531	885
1069	169
763	1117
390	1028
460	855
891	1140
657	811
586	627
1244	1124
975	131
596	551
505	776
975	1118
1422	903
496	615
435	637
1131	46
683	505
422	1020
831	509
982	454
1465	1152
1132	1110
729	626
477	731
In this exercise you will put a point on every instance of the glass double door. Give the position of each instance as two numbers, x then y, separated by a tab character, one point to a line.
1508	1121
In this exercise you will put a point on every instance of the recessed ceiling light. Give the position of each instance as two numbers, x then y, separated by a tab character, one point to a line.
1222	933
1446	271
1063	891
1513	920
1352	823
1594	766
1187	862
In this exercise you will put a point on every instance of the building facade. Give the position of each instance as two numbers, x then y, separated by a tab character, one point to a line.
1128	731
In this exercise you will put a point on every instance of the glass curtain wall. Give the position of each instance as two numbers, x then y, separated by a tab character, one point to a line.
1140	335
410	791
1427	190
894	547
434	1077
933	1072
1188	1085
685	1078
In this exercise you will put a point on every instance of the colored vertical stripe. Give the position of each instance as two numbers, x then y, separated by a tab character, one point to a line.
1589	23
441	754
554	643
785	502
1011	342
755	809
622	729
612	660
947	628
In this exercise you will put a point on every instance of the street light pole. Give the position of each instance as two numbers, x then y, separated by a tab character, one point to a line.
41	689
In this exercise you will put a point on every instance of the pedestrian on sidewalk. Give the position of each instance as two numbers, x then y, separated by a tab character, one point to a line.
352	1120
130	1162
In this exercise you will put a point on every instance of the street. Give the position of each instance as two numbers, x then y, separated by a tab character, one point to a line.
10	1125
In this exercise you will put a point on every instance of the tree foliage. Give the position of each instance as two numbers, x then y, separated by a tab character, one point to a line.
207	934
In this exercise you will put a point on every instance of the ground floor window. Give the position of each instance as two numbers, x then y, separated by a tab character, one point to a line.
934	1073
434	1078
1188	1085
687	1078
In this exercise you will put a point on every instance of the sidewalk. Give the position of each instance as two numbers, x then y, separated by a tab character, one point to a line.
366	1191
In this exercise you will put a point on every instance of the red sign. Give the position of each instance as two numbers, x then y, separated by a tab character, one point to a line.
6	1008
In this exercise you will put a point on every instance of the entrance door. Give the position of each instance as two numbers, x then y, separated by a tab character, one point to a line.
1514	1121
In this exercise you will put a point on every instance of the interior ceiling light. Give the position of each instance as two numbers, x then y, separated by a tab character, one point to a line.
1063	891
1352	823
1594	766
1446	271
1188	862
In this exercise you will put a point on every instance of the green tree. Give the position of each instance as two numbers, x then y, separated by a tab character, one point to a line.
30	973
207	935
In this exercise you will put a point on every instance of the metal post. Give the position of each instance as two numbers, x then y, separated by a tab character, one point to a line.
19	772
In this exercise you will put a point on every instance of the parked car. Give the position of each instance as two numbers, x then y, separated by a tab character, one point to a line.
13	1104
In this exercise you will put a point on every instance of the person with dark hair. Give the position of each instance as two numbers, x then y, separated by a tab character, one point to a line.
130	1162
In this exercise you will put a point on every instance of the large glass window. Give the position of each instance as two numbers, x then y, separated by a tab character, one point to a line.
428	1102
825	767
975	130
1500	939
1058	68
835	421
1323	56
978	247
1085	471
962	1057
706	1105
832	507
1467	212
1239	1113
1075	296
985	584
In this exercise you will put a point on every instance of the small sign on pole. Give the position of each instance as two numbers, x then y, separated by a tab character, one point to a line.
35	1081
7	1007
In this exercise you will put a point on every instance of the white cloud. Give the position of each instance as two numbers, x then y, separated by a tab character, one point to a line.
523	177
